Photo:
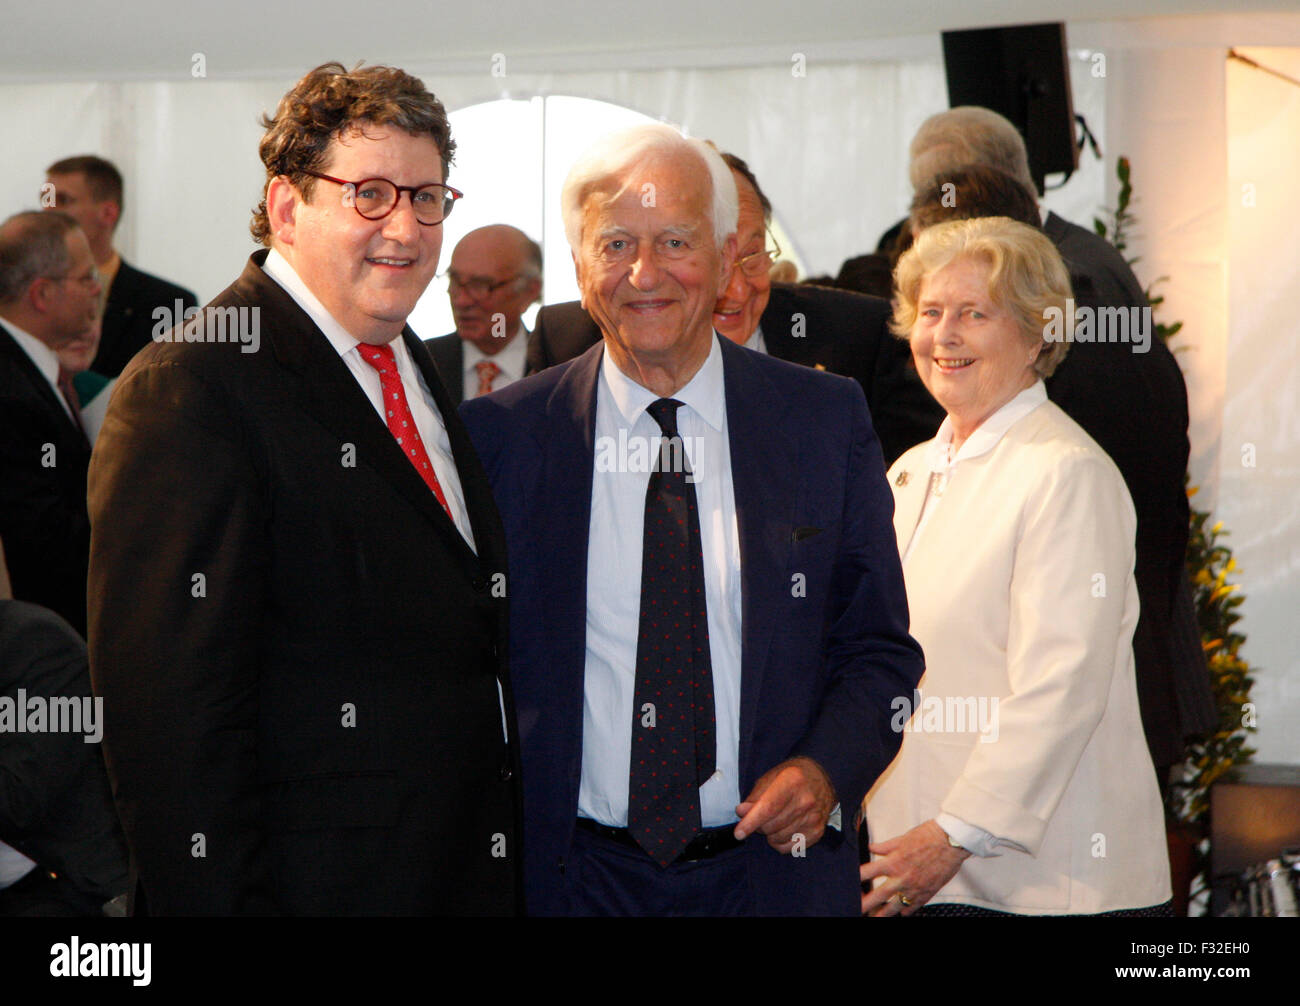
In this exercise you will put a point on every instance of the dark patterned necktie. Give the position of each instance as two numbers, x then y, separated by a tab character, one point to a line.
674	729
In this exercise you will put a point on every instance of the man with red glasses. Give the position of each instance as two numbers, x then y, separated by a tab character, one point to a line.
297	615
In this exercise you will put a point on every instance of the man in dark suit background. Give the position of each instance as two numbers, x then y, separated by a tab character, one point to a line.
61	847
90	190
49	296
297	570
844	333
495	274
705	654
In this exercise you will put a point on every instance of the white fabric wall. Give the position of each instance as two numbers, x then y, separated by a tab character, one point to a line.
1259	457
829	148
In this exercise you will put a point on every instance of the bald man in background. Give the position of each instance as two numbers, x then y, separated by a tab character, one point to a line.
495	274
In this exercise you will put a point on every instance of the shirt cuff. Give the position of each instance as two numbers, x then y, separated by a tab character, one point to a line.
973	839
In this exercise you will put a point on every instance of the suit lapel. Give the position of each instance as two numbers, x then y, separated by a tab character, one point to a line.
809	349
19	359
117	310
483	516
764	460
331	395
566	445
909	484
449	357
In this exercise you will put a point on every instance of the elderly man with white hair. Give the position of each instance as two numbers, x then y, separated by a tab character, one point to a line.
708	623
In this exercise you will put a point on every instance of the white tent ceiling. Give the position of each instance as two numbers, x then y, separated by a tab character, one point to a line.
143	39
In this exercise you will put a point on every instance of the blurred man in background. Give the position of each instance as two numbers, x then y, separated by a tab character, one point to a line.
495	274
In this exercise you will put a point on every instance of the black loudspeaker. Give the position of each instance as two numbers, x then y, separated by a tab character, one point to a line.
1019	72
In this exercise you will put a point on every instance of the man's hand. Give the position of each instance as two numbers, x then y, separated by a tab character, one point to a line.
914	866
794	798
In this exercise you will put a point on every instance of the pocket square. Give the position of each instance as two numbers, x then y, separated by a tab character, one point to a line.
800	533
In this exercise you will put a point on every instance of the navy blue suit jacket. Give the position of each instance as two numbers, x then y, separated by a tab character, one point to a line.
825	643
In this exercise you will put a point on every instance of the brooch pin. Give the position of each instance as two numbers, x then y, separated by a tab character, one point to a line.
902	479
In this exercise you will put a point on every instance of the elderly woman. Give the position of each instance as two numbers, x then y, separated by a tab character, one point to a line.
1023	785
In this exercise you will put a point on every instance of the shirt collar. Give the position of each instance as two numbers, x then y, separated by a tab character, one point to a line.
756	342
988	433
278	268
705	393
512	359
45	359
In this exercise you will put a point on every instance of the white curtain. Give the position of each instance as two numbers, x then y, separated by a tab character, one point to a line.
1259	456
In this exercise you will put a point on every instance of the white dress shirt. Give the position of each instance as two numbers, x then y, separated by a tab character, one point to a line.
44	358
512	360
756	342
427	420
94	411
614	586
13	866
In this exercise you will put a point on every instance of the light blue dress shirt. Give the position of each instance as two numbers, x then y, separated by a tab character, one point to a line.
627	443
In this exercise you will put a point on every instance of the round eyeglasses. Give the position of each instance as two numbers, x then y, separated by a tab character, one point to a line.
376	198
757	263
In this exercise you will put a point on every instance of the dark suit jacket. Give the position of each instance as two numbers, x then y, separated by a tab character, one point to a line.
55	802
1086	253
43	459
448	352
298	652
128	316
818	671
835	330
1135	406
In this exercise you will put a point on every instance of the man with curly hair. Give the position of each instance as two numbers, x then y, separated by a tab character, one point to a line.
297	572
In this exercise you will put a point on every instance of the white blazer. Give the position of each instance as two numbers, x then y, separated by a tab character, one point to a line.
1021	590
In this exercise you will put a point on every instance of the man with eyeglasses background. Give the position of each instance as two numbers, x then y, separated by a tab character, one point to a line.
844	333
495	275
298	604
49	297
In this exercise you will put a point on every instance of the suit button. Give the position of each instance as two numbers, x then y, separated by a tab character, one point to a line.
506	773
479	584
560	864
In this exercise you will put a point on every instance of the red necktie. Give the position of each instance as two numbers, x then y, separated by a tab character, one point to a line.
70	396
398	414
487	373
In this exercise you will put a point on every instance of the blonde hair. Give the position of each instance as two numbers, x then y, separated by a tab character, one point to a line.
1026	277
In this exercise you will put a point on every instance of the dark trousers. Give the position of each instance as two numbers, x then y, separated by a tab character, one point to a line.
606	879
